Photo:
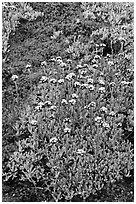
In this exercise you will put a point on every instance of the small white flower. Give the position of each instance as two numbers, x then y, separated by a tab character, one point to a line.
58	58
80	151
70	76
14	77
110	63
72	101
44	63
112	84
102	89
63	64
38	108
53	108
41	104
53	81
33	122
67	130
85	66
74	95
90	81
77	84
43	79
69	61
64	102
61	81
93	104
47	103
53	140
101	82
98	119
53	60
104	109
91	87
106	125
112	113
95	66
79	66
28	66
124	83
97	57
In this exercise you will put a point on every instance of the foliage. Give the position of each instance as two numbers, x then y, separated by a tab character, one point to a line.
69	116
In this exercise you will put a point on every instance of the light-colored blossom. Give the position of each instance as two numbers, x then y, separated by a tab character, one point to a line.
112	114
33	122
53	108
47	103
44	79
53	60
72	101
74	95
98	119
67	130
95	66
14	77
80	151
104	109
28	66
91	87
44	63
90	81
110	63
61	81
101	82
112	84
70	76
125	83
53	81
102	89
64	101
106	125
53	140
77	84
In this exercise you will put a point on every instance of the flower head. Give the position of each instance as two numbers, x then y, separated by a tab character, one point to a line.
44	63
47	103
14	77
101	82
43	79
74	96
33	122
104	109
72	101
70	76
61	81
106	125
98	119
53	81
102	89
53	108
53	140
67	130
77	84
80	151
64	101
112	114
90	81
28	66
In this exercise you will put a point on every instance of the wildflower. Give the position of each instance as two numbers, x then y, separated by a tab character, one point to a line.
53	60
61	81
44	63
92	104
97	57
67	120
83	72
41	104
90	81
74	95
85	66
53	108
95	66
91	87
101	82
112	84
43	79
77	84
14	77
64	102
47	103
102	90
38	108
33	122
70	76
58	58
104	109
53	81
63	64
53	140
110	63
28	66
85	86
124	83
69	61
106	125
67	130
79	66
72	101
80	151
98	119
52	116
112	113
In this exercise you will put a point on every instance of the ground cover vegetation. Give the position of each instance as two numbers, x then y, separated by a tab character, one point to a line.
68	101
